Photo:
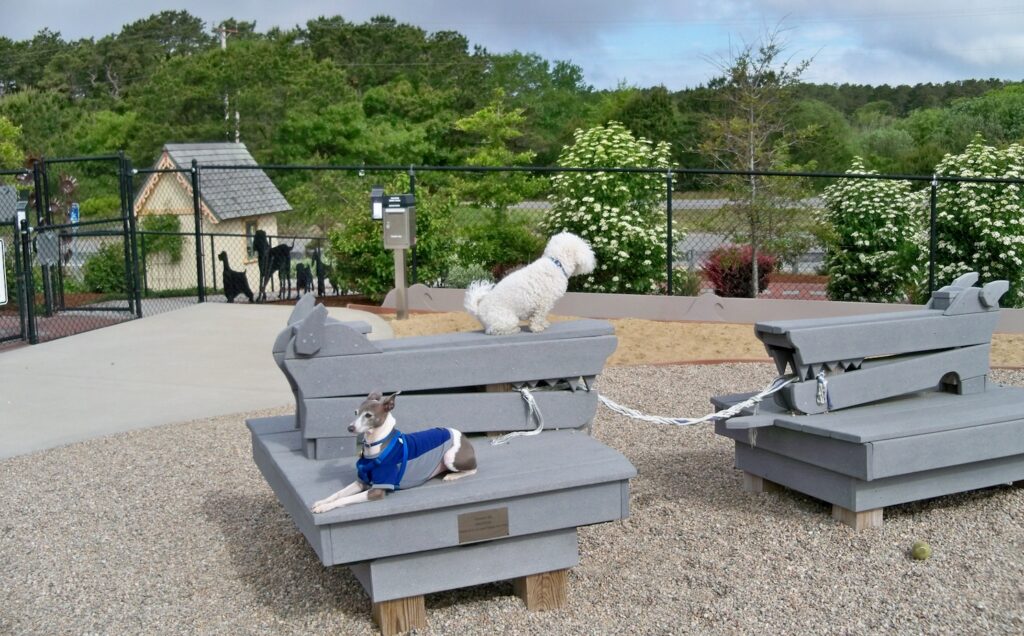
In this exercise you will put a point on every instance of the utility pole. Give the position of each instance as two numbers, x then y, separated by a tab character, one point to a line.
223	31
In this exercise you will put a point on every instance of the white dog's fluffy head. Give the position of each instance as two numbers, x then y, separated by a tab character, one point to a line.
572	252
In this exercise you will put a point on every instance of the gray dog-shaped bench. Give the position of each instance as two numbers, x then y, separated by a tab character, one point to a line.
516	519
886	409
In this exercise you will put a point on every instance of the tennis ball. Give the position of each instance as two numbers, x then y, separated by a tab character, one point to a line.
921	550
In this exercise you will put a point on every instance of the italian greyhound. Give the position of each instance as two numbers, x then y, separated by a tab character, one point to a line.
392	460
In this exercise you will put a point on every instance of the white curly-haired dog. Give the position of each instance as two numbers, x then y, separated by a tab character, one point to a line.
531	292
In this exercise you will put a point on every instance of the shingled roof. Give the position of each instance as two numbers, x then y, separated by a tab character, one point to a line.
229	194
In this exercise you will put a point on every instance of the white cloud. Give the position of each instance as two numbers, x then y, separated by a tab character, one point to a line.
870	41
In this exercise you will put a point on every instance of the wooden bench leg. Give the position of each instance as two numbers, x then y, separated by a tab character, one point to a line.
544	591
400	615
858	520
755	483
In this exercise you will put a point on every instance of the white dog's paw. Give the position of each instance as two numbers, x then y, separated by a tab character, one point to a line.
537	326
322	506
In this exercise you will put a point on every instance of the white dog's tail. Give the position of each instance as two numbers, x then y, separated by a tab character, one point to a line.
475	293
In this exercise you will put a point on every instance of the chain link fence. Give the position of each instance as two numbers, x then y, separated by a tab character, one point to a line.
106	243
211	235
12	322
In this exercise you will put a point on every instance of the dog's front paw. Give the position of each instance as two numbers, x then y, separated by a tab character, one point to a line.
322	506
539	326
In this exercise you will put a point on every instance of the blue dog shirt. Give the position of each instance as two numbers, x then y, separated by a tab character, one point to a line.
407	461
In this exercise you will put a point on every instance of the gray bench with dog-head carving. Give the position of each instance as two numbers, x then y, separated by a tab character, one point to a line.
516	519
884	409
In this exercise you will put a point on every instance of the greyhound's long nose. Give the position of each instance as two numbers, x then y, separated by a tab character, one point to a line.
351	428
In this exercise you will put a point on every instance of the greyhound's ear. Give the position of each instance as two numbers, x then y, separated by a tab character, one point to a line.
389	401
375	396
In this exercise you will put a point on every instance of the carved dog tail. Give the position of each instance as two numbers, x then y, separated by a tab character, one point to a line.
476	292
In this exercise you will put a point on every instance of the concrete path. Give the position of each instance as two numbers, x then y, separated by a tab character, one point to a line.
200	361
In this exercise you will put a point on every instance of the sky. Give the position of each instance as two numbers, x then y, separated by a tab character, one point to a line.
675	43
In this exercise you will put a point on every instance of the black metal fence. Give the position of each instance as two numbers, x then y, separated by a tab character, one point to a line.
100	242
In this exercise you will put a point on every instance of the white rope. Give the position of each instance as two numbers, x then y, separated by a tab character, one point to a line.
735	409
533	413
822	397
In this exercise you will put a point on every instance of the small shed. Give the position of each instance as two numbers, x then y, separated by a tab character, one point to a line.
233	203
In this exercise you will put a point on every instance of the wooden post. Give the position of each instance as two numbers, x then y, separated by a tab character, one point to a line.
858	520
755	483
400	615
544	591
401	299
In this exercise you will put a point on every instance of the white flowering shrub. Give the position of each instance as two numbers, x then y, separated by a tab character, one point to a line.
876	232
980	226
621	214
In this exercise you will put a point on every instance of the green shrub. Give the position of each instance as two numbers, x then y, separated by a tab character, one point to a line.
620	214
460	275
357	246
167	239
104	206
104	272
980	225
686	282
730	271
503	242
876	230
9	271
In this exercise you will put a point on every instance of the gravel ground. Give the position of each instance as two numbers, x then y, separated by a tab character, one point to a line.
172	530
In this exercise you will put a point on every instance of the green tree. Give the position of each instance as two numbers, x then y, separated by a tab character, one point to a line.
620	214
751	129
104	131
45	119
11	154
825	141
553	95
493	129
653	114
267	82
383	50
360	262
317	202
998	115
502	240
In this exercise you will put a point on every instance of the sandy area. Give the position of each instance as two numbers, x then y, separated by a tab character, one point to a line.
654	342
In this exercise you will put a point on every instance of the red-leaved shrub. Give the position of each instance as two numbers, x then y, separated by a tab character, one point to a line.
729	270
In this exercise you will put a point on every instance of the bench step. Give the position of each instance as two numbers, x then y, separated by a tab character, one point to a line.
555	481
452	568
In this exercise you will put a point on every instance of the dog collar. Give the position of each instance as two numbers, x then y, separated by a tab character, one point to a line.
559	263
378	443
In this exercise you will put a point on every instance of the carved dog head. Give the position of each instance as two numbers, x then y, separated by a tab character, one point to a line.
373	412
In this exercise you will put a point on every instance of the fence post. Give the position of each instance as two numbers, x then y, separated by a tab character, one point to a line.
19	278
198	222
933	238
669	248
30	285
43	218
412	191
213	264
128	207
